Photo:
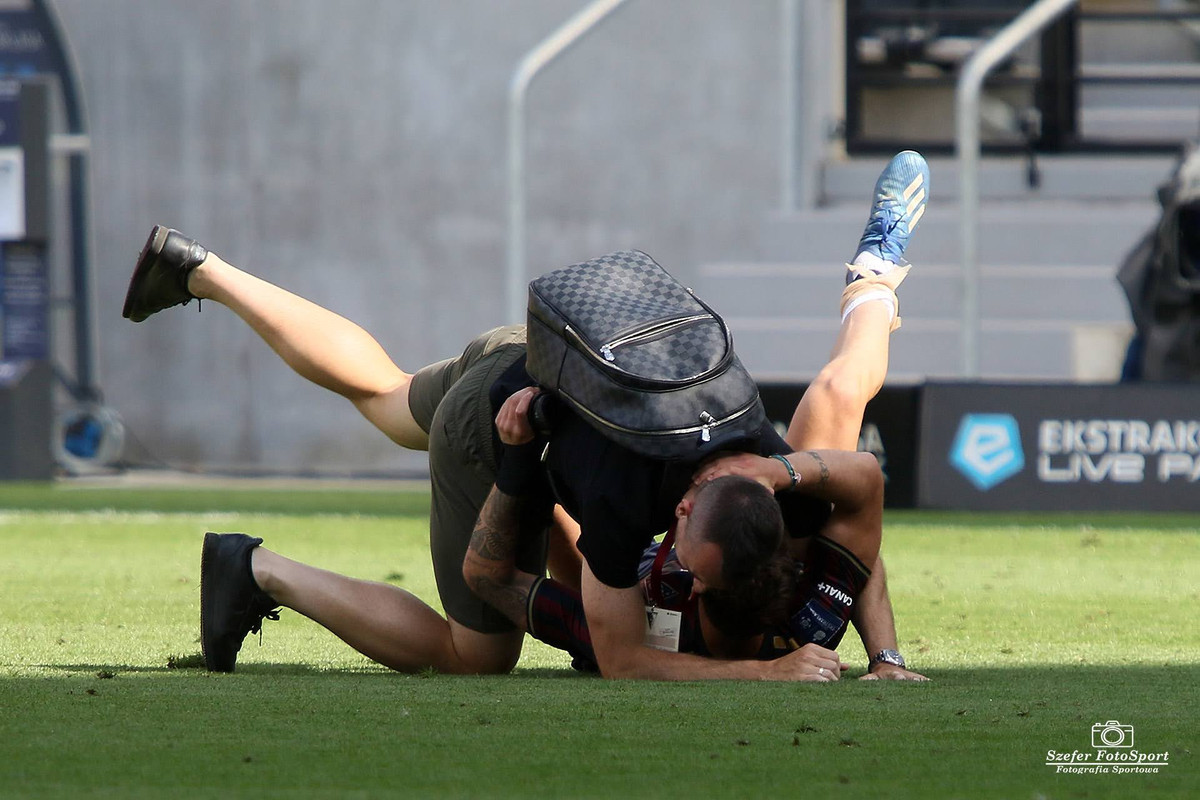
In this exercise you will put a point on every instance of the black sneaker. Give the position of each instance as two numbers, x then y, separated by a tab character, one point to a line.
160	278
231	604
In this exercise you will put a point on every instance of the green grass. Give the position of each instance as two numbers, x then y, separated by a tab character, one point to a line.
1032	627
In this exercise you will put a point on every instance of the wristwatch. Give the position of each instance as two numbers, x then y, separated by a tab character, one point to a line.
892	657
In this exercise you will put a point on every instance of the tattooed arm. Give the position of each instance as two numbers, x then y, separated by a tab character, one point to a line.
852	483
847	479
876	627
490	567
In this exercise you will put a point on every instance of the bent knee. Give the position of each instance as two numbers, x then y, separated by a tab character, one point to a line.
475	664
388	410
478	653
843	385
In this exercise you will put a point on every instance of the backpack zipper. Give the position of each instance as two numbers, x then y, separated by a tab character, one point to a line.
584	347
707	421
654	329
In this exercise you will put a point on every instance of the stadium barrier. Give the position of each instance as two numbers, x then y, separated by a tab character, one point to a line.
1030	447
1039	447
889	431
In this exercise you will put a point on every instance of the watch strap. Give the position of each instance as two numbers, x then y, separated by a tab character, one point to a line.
892	657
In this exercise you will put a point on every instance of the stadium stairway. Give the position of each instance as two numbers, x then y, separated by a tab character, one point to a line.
1051	308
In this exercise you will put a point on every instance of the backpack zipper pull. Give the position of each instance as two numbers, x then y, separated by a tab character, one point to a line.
708	421
606	351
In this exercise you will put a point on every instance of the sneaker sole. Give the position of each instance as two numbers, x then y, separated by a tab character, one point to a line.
145	262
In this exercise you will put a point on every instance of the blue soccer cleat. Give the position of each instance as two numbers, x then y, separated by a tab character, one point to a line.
900	197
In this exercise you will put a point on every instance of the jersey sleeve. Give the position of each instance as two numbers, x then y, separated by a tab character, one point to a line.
519	472
612	544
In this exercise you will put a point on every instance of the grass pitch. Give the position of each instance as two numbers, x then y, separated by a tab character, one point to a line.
1033	628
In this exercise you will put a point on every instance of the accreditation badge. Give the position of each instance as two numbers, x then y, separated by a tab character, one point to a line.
662	628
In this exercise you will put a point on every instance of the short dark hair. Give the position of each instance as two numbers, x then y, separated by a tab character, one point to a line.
741	517
746	607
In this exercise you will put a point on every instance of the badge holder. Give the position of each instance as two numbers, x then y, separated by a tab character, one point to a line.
663	626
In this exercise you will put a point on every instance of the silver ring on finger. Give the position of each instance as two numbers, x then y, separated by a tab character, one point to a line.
821	672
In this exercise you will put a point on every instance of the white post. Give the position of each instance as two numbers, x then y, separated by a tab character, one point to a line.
789	27
533	63
966	99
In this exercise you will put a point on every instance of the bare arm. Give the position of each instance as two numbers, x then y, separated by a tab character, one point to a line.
858	509
876	626
873	617
616	618
489	567
846	478
851	481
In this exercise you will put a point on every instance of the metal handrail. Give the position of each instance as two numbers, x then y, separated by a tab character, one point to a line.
966	101
533	63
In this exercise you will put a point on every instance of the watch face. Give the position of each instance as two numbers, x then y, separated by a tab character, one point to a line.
890	657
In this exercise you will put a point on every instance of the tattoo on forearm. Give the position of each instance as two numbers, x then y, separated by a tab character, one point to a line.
491	557
821	465
495	534
506	598
491	545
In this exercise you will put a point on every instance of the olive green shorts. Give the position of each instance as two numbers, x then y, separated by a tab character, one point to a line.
449	400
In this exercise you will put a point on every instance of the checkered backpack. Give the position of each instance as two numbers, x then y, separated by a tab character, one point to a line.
641	358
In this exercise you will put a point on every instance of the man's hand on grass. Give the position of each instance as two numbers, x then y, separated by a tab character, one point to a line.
810	663
890	672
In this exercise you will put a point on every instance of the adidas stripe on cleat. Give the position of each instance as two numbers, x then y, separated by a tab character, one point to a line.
900	200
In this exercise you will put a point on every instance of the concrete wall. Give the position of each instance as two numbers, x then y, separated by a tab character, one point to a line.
353	151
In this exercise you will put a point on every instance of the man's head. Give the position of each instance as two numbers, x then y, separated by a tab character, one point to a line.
727	529
745	608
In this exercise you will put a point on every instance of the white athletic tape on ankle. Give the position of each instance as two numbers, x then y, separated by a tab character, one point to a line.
883	295
875	287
